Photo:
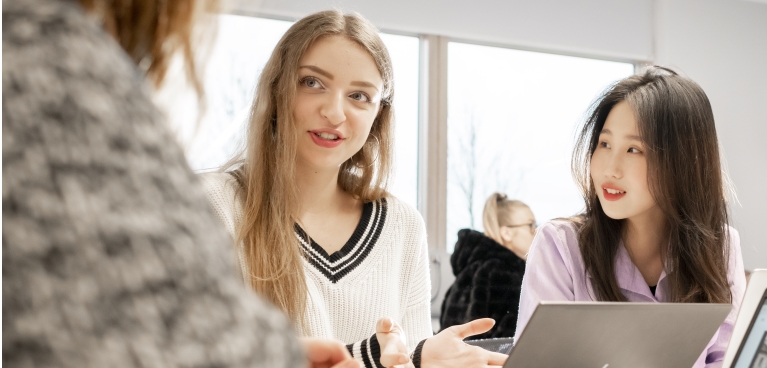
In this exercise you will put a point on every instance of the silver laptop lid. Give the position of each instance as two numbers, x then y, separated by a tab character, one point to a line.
748	345
616	335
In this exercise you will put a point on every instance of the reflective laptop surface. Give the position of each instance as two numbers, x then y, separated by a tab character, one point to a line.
616	335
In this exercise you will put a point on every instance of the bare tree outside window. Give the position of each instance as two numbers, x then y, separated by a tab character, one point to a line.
511	124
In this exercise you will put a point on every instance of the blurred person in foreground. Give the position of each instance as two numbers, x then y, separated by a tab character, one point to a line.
112	256
489	267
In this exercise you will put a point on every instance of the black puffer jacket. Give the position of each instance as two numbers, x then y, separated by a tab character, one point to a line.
488	282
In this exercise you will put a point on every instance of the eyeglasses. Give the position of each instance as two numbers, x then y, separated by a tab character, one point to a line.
533	225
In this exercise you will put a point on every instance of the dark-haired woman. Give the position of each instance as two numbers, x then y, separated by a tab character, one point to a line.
489	267
655	228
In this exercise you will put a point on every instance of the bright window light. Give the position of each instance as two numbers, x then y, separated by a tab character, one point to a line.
512	117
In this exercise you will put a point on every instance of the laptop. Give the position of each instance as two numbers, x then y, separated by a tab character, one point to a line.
616	335
499	344
748	344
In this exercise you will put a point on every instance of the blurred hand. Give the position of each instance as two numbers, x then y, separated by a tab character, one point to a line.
327	353
447	349
391	340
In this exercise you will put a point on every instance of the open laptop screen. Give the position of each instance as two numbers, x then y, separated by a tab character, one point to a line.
753	351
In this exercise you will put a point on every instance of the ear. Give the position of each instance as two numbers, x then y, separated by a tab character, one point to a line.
507	234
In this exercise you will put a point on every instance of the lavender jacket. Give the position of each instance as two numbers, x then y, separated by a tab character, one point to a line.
555	272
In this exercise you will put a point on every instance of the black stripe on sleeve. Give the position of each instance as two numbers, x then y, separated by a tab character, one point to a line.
375	351
364	353
416	357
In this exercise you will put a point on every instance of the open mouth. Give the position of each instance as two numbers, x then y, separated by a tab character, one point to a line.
612	194
326	136
326	139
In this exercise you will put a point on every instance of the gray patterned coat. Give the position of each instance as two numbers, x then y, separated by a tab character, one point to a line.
111	254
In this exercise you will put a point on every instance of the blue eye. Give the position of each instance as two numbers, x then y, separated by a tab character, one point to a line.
310	82
359	96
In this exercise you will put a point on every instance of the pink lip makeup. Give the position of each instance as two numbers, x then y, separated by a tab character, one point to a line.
612	193
326	138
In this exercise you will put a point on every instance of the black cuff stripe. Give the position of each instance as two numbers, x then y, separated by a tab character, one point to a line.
375	351
416	357
364	353
350	347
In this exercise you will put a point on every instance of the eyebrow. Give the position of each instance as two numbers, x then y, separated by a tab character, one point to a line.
630	136
318	70
327	74
364	84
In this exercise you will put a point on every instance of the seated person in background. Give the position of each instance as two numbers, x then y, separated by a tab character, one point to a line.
315	229
112	256
655	228
488	267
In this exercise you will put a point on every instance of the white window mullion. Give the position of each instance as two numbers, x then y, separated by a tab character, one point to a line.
432	168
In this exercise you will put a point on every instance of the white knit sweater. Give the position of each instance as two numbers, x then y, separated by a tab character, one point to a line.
382	271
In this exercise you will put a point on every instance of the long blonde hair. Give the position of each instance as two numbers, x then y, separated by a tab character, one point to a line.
497	212
267	172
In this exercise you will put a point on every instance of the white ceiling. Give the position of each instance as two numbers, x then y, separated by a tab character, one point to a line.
618	30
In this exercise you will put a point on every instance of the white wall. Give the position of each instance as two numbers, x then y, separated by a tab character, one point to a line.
618	30
722	45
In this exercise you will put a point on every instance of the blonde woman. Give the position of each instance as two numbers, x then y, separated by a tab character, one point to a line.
509	222
489	267
317	232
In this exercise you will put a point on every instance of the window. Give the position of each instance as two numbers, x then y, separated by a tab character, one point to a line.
512	118
241	49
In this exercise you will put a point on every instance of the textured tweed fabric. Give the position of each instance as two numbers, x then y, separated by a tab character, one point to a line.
112	256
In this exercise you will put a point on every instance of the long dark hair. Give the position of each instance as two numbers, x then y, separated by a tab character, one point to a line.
676	125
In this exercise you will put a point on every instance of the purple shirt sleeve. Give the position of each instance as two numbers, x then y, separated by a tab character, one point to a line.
737	280
548	273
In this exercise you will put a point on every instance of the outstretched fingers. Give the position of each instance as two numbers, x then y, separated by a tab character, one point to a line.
475	327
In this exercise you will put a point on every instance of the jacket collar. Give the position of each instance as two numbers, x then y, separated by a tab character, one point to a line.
631	280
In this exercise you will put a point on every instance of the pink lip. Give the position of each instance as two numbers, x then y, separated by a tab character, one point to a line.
610	196
324	142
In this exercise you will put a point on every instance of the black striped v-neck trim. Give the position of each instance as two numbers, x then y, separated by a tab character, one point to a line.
337	265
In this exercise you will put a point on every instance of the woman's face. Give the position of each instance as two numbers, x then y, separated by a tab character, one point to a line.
518	234
337	100
619	167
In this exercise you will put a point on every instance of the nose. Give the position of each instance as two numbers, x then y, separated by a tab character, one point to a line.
613	167
333	109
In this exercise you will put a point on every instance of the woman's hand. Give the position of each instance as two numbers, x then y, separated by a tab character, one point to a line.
391	340
447	349
327	353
